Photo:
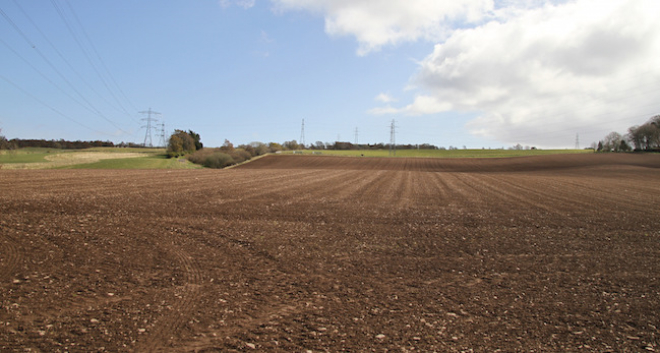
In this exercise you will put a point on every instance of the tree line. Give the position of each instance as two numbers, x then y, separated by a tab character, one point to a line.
14	144
645	137
188	143
346	146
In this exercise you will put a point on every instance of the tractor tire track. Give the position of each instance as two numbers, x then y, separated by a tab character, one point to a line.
187	296
10	257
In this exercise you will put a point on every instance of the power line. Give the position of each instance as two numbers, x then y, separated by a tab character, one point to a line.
91	44
56	86
48	106
85	52
68	64
89	105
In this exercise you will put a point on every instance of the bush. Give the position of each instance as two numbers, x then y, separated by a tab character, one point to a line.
259	148
219	157
218	160
6	144
199	156
240	155
212	158
275	147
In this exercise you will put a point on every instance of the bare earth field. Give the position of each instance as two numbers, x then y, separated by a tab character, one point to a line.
302	253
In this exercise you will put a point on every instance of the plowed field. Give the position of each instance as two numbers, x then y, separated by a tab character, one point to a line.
301	253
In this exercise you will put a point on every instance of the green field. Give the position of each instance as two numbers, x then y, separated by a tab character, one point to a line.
146	151
154	158
150	162
92	158
467	153
24	155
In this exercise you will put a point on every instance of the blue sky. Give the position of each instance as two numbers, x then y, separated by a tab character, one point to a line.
473	73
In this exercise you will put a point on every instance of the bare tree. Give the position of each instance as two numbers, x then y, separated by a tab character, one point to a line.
647	136
612	142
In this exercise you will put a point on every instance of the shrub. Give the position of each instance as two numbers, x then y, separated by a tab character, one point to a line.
212	158
259	148
240	155
218	160
200	156
275	147
219	157
6	144
249	149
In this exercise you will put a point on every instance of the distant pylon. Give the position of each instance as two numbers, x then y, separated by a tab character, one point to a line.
302	134
148	119
356	136
577	141
163	141
392	139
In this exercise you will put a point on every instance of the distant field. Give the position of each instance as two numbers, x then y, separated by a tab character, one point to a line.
151	162
93	158
468	153
26	155
154	158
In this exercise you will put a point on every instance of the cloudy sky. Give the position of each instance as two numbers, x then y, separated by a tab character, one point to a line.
475	73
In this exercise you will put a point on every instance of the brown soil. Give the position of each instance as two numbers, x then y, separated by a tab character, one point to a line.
298	253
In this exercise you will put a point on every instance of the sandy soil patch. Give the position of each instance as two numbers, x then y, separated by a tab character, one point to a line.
73	158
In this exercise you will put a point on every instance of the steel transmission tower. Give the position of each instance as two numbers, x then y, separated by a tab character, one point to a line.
577	141
149	120
392	139
356	136
163	141
302	135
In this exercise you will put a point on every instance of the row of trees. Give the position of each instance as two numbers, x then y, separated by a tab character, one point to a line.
344	146
182	143
228	154
60	144
56	144
645	137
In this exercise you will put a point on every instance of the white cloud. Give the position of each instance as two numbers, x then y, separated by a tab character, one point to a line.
265	38
427	105
556	69
422	105
246	4
528	69
385	98
376	23
384	110
539	75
